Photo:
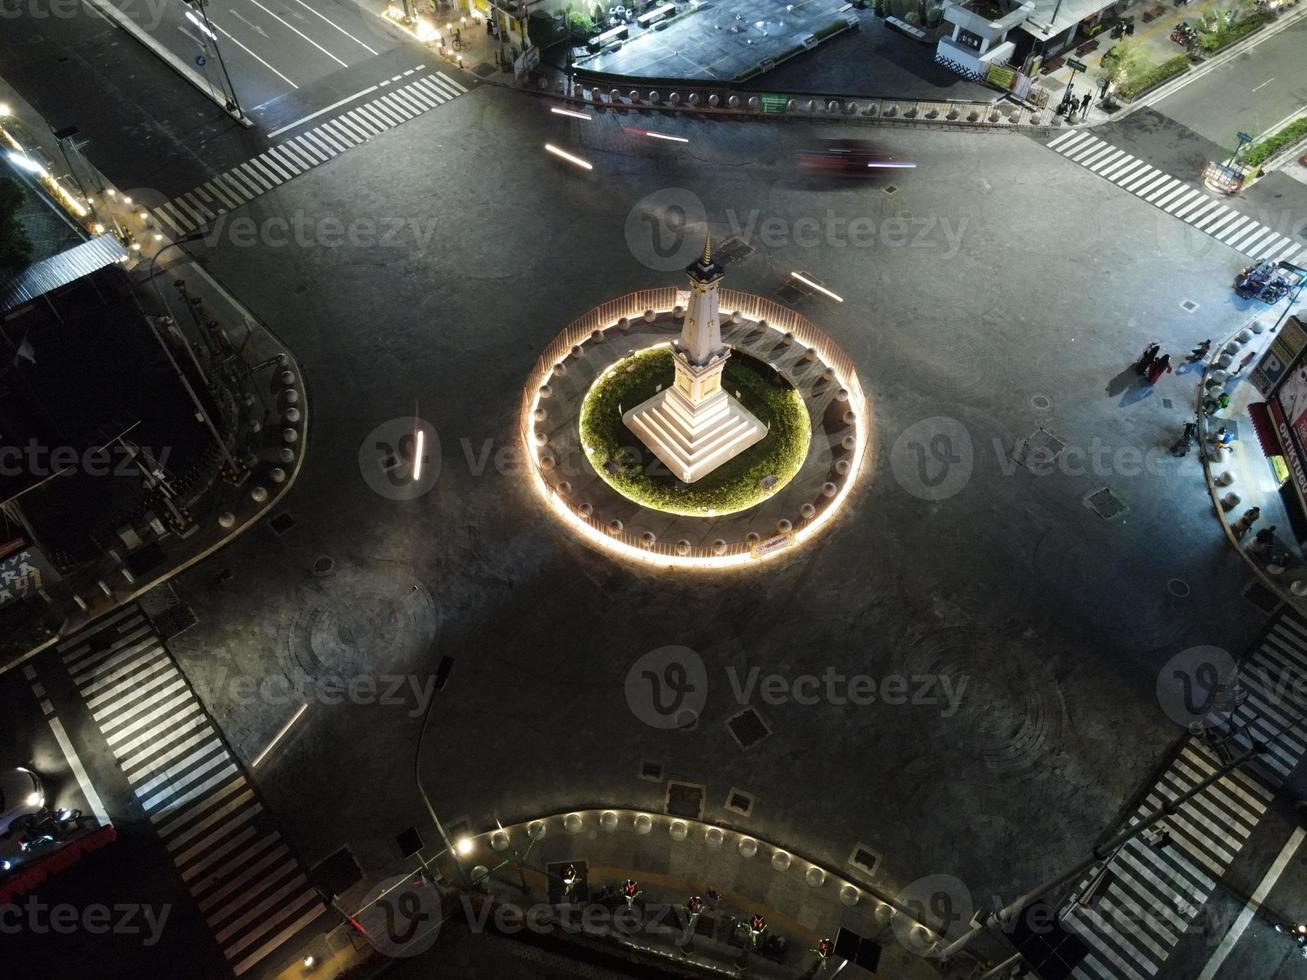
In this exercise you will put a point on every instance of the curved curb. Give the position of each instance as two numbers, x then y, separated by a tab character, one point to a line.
497	847
613	316
1214	491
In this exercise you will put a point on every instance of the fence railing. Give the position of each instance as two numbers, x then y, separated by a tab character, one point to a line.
661	302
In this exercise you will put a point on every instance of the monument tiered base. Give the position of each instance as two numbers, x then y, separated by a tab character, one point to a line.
691	439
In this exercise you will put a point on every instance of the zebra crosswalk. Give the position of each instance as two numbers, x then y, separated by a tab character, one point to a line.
311	148
1176	197
1150	896
252	891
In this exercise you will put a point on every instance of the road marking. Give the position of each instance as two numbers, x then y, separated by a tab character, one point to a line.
1263	85
238	44
275	17
83	780
314	115
249	23
1254	903
335	25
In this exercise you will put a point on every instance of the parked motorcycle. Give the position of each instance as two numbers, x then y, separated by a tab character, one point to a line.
1183	34
48	827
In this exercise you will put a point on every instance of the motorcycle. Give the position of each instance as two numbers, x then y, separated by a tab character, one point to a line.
1252	280
1183	34
48	827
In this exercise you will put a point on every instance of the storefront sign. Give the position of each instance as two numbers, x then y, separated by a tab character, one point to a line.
23	572
1291	456
1001	75
1284	349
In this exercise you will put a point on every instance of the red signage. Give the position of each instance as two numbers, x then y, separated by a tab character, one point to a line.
1291	455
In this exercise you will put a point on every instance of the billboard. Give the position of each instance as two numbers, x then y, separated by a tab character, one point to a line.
23	571
1291	394
1286	346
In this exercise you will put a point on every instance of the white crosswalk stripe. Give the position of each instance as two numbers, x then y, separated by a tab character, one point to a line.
1189	202
299	154
1151	896
253	892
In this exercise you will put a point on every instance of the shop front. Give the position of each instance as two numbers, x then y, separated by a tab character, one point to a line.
1280	422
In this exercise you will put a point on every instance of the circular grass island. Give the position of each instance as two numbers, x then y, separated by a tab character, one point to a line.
627	465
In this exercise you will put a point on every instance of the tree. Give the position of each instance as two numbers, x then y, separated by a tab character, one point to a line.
580	23
15	248
1124	60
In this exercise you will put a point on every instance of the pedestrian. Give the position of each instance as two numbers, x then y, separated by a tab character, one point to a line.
1213	405
1102	88
1245	522
1199	352
1247	359
1159	367
1263	539
1084	104
1222	437
1146	358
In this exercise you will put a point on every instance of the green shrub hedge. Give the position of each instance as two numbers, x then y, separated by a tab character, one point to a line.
1223	37
1156	75
1266	148
623	462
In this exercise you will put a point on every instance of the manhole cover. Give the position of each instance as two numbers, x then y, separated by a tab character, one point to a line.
891	189
1167	403
484	70
685	800
1040	448
739	802
1188	306
865	858
1178	587
652	771
282	523
748	728
1041	403
323	565
368	631
1261	597
1106	504
733	250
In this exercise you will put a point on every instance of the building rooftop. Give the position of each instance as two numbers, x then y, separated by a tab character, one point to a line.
1048	18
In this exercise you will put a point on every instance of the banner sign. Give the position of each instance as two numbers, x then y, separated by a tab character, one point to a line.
23	572
1291	455
1284	349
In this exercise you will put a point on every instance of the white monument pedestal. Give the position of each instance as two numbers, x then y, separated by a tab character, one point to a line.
695	426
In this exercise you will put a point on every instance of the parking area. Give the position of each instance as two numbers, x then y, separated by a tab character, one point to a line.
722	41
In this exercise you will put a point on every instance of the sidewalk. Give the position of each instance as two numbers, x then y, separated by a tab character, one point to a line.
671	859
1240	476
261	386
1159	48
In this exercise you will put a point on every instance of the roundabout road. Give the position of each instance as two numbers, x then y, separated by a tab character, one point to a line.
964	665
